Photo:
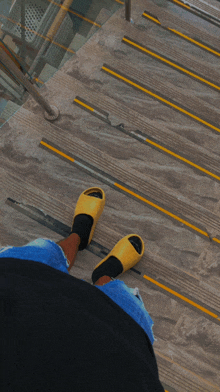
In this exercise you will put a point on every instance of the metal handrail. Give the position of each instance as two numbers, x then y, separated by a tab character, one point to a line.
51	112
17	59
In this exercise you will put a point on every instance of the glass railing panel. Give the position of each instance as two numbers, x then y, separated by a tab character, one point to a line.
24	26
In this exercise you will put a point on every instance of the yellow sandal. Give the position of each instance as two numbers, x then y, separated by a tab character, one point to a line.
125	252
92	206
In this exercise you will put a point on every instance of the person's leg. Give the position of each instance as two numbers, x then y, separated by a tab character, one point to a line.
70	246
103	280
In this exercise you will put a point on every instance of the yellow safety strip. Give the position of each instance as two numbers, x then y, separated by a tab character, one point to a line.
151	17
184	36
165	211
171	63
183	159
182	297
57	151
182	4
160	98
83	104
162	148
195	42
161	209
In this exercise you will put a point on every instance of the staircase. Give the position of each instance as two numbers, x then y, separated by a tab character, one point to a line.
139	118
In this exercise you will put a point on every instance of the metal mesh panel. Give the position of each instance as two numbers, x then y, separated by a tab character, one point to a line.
33	15
39	16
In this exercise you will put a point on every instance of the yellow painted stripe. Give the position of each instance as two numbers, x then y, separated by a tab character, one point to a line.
136	195
83	104
171	63
182	297
195	42
185	36
151	17
161	99
182	4
182	159
57	151
216	240
161	209
164	149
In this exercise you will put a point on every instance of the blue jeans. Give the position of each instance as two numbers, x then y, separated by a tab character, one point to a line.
48	252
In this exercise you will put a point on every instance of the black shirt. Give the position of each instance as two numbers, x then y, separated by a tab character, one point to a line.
60	333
